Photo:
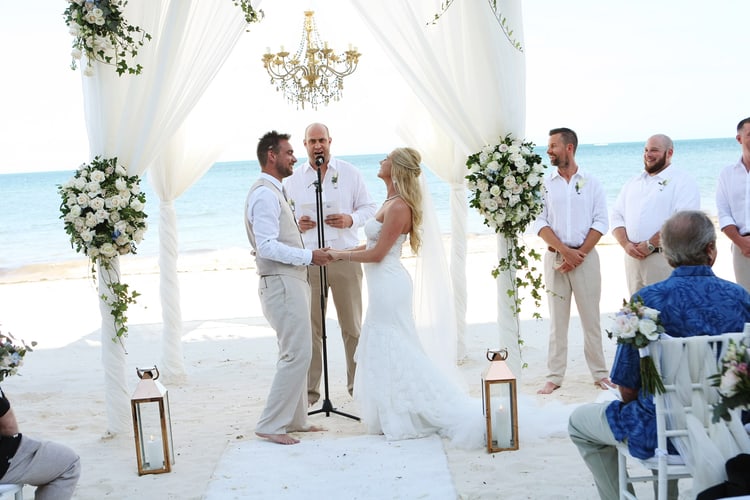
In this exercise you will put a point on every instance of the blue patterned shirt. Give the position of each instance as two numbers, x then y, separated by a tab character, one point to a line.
692	301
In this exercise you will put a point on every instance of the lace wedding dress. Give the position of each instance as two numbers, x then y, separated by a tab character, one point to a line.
401	392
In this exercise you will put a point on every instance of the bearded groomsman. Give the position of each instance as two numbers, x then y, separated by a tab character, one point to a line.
573	219
642	206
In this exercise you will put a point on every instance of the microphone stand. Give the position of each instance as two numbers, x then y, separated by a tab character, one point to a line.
327	407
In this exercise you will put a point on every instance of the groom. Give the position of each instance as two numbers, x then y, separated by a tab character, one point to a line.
281	261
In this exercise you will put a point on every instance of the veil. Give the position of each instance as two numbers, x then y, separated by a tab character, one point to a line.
434	309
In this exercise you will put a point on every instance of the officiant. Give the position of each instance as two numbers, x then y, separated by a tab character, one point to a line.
347	206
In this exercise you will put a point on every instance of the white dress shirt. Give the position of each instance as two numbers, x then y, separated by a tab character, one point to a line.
733	197
646	201
573	208
343	192
263	212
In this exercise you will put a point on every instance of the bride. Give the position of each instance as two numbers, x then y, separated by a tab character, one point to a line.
401	392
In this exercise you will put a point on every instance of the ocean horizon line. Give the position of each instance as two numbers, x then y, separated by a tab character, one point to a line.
352	155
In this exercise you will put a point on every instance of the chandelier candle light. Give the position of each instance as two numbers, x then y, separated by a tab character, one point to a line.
314	74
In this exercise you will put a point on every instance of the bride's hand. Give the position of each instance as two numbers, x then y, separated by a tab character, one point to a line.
336	254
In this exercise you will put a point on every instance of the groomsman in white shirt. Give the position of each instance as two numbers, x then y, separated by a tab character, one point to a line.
572	221
642	206
733	205
347	206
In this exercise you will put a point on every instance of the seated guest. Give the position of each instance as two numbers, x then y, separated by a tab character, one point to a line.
53	468
692	301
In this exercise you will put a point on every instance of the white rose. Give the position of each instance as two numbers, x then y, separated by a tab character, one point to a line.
516	189
513	200
83	200
648	312
136	189
75	53
93	252
136	205
138	235
108	250
91	220
728	385
500	216
471	185
509	181
514	149
487	150
102	215
79	224
493	166
533	180
120	170
114	216
75	211
483	185
490	204
96	203
87	236
495	190
122	240
98	176
79	183
503	148
88	71
93	187
648	328
485	195
483	157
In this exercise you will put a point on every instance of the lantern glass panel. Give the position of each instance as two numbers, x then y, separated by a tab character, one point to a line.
501	418
150	439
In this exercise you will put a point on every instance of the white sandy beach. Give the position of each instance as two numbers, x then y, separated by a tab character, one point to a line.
230	355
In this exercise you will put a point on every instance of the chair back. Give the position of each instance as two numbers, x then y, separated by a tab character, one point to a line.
684	412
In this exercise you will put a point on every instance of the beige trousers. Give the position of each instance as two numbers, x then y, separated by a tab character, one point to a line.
286	305
585	283
345	284
648	271
741	268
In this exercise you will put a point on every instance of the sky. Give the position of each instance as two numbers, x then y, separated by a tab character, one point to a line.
612	71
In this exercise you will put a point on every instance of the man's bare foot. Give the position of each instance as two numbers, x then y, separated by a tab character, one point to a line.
278	438
604	384
309	428
548	388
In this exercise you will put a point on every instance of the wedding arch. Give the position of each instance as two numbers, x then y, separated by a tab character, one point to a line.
469	84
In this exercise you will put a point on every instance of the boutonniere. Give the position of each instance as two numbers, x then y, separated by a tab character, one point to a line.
663	184
579	185
291	204
335	180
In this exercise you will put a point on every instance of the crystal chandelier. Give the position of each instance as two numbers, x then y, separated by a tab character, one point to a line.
315	74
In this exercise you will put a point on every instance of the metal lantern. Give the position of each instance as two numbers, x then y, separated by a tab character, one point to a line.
499	402
152	424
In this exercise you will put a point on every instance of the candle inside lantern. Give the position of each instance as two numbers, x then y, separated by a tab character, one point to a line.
154	453
502	428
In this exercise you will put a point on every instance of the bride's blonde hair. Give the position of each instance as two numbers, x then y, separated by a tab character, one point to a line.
405	171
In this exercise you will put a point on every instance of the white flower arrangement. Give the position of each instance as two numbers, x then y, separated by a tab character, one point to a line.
507	190
103	211
733	380
11	355
639	325
101	33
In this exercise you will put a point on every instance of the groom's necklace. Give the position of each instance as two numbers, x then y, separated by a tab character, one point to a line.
392	198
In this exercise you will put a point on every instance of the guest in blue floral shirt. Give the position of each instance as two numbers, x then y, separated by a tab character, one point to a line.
692	301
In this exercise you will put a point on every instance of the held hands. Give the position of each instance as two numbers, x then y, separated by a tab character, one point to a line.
572	258
321	256
637	250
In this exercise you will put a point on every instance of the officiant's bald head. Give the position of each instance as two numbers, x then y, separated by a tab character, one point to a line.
688	238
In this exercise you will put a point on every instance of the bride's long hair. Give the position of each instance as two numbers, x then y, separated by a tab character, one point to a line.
405	171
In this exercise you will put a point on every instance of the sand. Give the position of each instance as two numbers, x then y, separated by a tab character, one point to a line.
230	352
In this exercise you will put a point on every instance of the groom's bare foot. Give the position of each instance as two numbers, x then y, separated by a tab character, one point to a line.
278	438
548	388
309	428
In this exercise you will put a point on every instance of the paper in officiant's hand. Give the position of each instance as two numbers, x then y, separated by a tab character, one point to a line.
329	208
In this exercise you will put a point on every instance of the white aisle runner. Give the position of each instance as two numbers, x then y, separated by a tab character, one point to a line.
353	468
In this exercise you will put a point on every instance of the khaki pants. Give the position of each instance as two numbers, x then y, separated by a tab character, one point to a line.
345	283
648	271
741	268
286	305
583	282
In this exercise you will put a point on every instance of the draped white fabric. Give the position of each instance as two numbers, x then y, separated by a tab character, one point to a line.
470	82
133	118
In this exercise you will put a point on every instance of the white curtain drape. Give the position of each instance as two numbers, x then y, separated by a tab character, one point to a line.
134	118
470	81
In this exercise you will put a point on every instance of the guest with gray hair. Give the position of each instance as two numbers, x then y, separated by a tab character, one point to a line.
692	301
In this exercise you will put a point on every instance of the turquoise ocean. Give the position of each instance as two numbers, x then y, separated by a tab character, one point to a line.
210	214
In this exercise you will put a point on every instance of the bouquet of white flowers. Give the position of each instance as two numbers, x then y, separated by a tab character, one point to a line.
733	381
506	181
11	355
639	325
103	209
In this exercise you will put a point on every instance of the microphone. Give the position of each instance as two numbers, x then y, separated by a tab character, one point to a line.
319	160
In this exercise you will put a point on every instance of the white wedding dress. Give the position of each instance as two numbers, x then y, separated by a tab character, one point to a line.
401	392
